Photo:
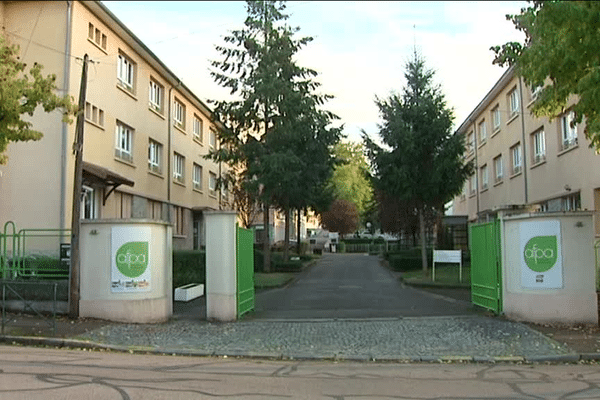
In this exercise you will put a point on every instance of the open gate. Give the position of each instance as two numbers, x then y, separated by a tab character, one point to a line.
245	271
486	274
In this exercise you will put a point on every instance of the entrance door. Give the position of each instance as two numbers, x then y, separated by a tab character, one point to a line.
486	276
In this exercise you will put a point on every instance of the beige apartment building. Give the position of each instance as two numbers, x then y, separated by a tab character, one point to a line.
146	132
525	162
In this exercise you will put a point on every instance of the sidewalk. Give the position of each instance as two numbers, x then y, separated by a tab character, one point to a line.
420	339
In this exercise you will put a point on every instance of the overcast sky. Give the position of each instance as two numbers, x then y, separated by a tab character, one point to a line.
360	48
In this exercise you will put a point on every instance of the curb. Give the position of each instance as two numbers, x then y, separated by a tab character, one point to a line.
82	344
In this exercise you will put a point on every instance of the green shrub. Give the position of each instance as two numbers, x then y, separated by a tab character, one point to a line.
189	266
403	263
290	266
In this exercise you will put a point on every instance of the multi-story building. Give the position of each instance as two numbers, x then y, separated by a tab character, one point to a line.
145	136
525	162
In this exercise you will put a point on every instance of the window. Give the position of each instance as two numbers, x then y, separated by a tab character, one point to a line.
513	102
96	36
155	100
124	145
178	167
496	118
212	183
197	177
89	203
482	132
197	128
498	169
568	130
213	139
94	114
539	146
472	184
463	193
484	177
571	202
535	92
179	114
155	156
470	142
126	72
516	158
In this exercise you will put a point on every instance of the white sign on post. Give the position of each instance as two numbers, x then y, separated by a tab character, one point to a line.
130	259
447	256
541	255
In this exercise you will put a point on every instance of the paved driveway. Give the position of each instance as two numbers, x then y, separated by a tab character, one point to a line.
352	286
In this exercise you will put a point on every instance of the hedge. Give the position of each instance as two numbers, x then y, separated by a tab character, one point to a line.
189	266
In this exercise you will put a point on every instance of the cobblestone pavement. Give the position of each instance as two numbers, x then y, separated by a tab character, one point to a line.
417	339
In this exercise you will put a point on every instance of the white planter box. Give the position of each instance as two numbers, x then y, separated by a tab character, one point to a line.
189	292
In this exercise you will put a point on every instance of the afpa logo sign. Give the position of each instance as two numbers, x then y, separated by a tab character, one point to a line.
541	253
132	259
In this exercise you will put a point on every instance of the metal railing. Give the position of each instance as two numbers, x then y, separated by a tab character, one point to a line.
11	288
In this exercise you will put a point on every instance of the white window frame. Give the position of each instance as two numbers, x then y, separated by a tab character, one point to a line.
89	202
124	142
496	120
513	101
539	146
178	167
535	92
499	168
197	176
470	142
197	128
126	72
212	182
473	184
482	132
484	177
179	114
568	132
155	96
213	139
516	154
154	156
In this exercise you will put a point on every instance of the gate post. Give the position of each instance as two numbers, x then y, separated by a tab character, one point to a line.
221	289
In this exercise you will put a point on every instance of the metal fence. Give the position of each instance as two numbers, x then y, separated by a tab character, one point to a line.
39	254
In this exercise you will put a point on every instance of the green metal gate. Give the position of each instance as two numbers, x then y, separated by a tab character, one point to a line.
486	274
245	271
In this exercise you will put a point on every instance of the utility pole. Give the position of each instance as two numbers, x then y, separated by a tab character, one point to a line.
76	216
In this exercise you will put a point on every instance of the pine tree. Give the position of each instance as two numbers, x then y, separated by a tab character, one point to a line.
421	163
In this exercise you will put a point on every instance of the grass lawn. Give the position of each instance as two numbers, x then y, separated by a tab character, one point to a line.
273	279
444	275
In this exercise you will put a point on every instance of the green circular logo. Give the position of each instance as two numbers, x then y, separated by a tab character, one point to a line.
541	253
132	259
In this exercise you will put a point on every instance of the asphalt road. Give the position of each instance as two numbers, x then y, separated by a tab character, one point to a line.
352	286
40	373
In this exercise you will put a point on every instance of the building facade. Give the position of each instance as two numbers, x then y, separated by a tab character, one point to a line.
523	162
145	135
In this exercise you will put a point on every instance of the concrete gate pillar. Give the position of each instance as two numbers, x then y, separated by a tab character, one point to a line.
221	295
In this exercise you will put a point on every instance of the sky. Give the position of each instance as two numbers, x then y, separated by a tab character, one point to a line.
360	48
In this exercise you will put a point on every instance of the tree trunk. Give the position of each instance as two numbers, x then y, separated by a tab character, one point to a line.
286	240
298	232
267	240
423	243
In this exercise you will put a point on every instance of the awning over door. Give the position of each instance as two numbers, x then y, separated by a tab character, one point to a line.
96	175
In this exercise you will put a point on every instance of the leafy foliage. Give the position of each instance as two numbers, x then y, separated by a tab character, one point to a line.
560	53
342	217
275	127
350	179
421	166
21	92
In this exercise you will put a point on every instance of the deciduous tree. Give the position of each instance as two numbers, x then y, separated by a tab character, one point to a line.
342	217
21	92
560	54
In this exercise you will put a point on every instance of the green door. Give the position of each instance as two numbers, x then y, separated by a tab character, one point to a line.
245	271
486	274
